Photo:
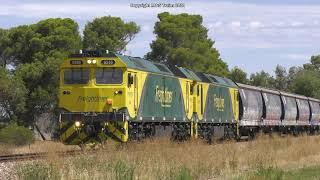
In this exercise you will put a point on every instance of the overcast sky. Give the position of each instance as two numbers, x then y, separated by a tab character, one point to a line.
253	35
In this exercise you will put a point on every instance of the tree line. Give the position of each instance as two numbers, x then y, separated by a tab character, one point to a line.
30	56
302	80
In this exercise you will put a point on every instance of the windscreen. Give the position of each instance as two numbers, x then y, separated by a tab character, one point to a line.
109	76
76	76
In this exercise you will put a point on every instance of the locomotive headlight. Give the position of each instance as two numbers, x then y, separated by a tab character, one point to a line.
77	124
118	92
94	61
89	61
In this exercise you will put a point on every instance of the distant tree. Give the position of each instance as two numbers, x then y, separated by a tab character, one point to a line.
110	33
262	79
306	82
4	40
292	72
314	63
182	40
281	79
40	41
238	75
36	52
12	96
41	79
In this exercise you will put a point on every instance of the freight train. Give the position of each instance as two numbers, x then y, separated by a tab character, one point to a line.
105	95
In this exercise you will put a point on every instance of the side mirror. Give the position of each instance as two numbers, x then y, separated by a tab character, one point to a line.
130	79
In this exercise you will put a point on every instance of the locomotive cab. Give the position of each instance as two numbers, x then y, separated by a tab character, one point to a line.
92	84
92	89
92	93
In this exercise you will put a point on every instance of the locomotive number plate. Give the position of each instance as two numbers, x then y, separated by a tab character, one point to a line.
75	62
108	62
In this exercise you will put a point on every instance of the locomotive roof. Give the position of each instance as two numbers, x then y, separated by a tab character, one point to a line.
147	65
159	68
220	80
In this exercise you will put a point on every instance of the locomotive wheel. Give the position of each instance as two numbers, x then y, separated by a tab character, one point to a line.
181	132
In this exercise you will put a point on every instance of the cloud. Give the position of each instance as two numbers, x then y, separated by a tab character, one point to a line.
235	24
217	24
296	24
295	56
146	28
255	24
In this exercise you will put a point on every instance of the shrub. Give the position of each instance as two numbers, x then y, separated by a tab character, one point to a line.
123	171
266	173
16	135
84	163
184	174
38	171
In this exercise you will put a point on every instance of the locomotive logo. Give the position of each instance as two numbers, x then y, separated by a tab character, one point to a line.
92	99
163	96
218	103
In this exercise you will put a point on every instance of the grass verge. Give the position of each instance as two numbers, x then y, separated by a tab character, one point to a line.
163	159
279	174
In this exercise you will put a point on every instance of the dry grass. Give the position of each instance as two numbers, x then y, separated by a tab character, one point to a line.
5	149
163	159
37	146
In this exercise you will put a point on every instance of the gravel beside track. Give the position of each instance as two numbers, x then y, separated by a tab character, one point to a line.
6	170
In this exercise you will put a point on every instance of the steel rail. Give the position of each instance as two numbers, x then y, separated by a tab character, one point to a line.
34	156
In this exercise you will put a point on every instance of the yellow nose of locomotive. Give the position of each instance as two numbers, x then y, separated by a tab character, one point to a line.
91	92
92	84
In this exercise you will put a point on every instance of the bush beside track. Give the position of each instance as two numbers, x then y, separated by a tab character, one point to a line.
16	135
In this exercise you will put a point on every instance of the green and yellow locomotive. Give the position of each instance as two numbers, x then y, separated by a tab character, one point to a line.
105	95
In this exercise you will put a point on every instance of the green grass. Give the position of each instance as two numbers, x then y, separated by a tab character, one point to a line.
184	174
38	171
279	174
123	171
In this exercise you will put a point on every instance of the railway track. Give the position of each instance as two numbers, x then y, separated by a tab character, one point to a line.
34	156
